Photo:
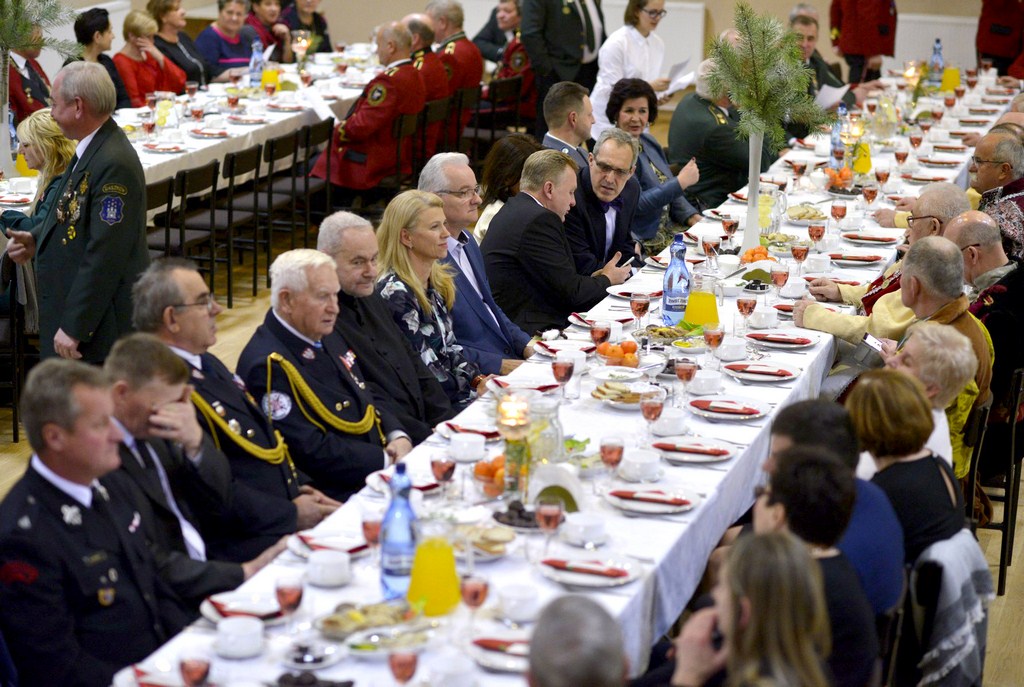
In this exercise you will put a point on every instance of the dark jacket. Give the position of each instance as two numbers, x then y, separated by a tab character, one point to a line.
658	188
585	225
554	35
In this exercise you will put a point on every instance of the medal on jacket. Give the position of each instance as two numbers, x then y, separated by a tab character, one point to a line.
348	360
105	596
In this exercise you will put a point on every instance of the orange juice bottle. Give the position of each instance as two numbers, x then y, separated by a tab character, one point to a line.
434	586
701	308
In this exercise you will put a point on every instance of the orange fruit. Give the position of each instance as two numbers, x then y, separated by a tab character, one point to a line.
498	461
602	348
493	490
499	476
630	360
628	347
614	351
484	470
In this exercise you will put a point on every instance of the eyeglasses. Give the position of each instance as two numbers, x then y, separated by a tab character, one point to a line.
463	193
655	14
977	162
606	168
912	219
207	300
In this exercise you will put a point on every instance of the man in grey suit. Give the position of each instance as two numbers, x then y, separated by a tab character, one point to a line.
569	115
91	247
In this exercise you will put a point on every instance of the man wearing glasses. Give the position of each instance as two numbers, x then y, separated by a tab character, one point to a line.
607	194
997	173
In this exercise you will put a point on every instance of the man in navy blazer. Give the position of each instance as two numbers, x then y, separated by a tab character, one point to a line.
487	336
598	226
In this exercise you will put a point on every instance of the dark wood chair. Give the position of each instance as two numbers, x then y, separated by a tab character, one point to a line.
496	112
431	123
974	437
159	199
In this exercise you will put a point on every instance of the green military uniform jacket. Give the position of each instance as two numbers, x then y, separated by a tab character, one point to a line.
702	130
91	247
821	75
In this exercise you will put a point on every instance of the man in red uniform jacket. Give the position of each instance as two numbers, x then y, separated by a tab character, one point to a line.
862	32
515	62
459	55
435	78
363	150
1000	27
27	83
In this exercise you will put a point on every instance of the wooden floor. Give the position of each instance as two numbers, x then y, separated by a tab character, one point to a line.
1004	667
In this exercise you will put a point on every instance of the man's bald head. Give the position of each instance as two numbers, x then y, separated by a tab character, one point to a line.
980	242
942	200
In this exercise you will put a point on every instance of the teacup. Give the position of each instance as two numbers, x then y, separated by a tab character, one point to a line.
22	185
518	602
584	529
732	348
727	264
239	637
793	289
329	568
763	319
672	421
817	262
705	382
640	465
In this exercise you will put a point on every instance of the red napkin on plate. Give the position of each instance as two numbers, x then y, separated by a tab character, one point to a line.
15	199
486	433
719	407
553	350
738	196
691	448
505	646
783	307
227	612
141	678
540	387
758	370
779	338
869	237
950	148
586	567
315	544
650	496
220	133
855	258
629	294
420	487
624	320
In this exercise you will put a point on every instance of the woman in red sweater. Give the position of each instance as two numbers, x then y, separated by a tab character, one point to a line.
142	66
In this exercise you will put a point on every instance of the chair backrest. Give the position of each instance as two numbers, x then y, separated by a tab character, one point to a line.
277	149
240	163
1016	399
159	194
319	134
196	180
505	91
468	97
974	437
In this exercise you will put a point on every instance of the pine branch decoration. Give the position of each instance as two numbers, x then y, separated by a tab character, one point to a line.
20	17
765	76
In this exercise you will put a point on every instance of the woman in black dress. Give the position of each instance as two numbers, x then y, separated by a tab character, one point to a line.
178	47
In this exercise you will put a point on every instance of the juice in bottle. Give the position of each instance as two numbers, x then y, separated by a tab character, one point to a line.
434	585
701	308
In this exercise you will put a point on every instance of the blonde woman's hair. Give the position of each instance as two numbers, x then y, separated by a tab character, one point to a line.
402	213
139	23
945	359
891	413
40	129
788	633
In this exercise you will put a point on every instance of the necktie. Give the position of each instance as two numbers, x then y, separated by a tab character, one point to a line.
193	540
588	25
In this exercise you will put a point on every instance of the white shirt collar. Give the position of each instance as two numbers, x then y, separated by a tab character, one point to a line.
127	438
79	492
397	62
529	195
189	357
561	141
82	145
19	61
294	331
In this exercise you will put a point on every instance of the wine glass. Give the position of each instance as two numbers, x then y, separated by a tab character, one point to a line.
474	590
403	665
194	665
549	517
235	77
779	275
799	167
639	304
901	153
882	173
288	589
151	101
870	193
746	305
872	106
371	518
916	137
148	122
816	232
600	332
799	253
443	467
611	455
685	369
467	449
562	368
730	225
714	333
710	244
959	92
652	402
191	88
937	111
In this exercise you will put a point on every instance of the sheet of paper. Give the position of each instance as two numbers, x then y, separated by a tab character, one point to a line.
677	79
829	96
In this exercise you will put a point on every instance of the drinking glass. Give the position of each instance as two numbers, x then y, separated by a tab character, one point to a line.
799	252
730	226
714	332
816	232
191	88
685	369
288	589
871	106
779	275
882	173
270	89
148	122
652	402
194	665
474	590
443	467
710	244
959	91
403	665
600	331
639	304
549	517
916	137
986	63
901	154
799	167
371	517
562	368
151	101
611	453
949	99
938	110
925	126
234	77
746	305
870	193
306	77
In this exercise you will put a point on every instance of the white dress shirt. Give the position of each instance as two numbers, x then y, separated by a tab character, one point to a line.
625	55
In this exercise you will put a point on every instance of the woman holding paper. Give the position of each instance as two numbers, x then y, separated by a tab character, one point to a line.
633	51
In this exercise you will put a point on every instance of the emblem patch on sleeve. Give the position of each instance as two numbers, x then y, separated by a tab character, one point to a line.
377	95
277	405
112	209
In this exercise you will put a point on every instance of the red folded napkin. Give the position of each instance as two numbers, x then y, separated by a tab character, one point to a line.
554	350
15	199
783	307
623	320
847	282
726	409
651	496
949	148
758	370
738	196
505	646
629	294
940	163
419	487
855	258
779	338
318	545
586	567
486	433
141	678
540	387
658	259
869	237
225	611
691	448
210	132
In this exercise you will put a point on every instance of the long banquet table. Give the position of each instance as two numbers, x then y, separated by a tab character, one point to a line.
670	551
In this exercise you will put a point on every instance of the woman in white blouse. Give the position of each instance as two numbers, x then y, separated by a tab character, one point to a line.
632	52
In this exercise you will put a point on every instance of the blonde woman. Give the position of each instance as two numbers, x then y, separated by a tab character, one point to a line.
420	291
142	66
47	151
770	615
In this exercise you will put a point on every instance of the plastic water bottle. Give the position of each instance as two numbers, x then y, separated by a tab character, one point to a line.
397	538
936	65
256	64
676	288
837	140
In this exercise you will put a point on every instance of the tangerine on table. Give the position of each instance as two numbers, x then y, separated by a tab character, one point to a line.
630	360
498	461
483	469
614	351
602	348
628	347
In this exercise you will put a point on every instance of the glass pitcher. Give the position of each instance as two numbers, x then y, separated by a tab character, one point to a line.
705	297
434	586
771	206
546	434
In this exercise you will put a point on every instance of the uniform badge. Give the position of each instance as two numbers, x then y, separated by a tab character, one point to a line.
24	522
308	354
112	209
115	188
235	426
105	596
72	514
238	382
277	405
377	95
134	524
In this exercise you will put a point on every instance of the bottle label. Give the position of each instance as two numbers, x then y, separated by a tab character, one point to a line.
396	563
673	302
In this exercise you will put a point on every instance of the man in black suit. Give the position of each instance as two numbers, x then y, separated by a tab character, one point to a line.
528	258
399	380
308	379
80	595
92	245
181	480
598	225
271	497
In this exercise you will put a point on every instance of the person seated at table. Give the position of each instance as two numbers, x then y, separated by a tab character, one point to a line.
179	480
95	34
432	71
704	127
80	594
569	116
178	47
527	255
769	623
226	44
503	167
48	151
461	58
515	61
27	84
362	151
142	66
893	419
172	301
885	315
576	642
305	15
309	380
997	173
420	291
633	107
265	18
598	224
392	369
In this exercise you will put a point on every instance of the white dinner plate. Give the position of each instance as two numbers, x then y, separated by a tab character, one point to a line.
508	384
584	319
867	238
246	120
578	579
792	372
648	508
619	405
422	482
377	643
341	542
625	291
844	262
761	408
784	345
285	107
550	349
164	148
208	133
15	199
615	373
684	457
446	432
655	262
501	661
249	603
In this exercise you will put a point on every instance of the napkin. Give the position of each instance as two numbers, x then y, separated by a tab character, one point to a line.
726	407
221	133
421	487
779	338
651	496
227	611
938	163
855	258
629	294
783	307
759	370
15	199
486	433
699	449
539	387
144	679
869	237
586	567
553	350
738	196
950	148
623	320
516	647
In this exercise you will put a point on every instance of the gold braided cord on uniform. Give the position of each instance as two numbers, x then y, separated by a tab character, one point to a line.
274	456
302	392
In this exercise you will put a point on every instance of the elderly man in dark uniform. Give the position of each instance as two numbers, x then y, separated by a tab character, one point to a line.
363	148
704	126
432	71
92	245
460	57
396	375
309	381
80	596
271	497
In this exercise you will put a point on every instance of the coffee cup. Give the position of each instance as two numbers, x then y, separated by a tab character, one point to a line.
727	264
328	568
640	465
793	289
672	421
818	262
732	348
705	382
763	319
584	529
518	602
239	637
